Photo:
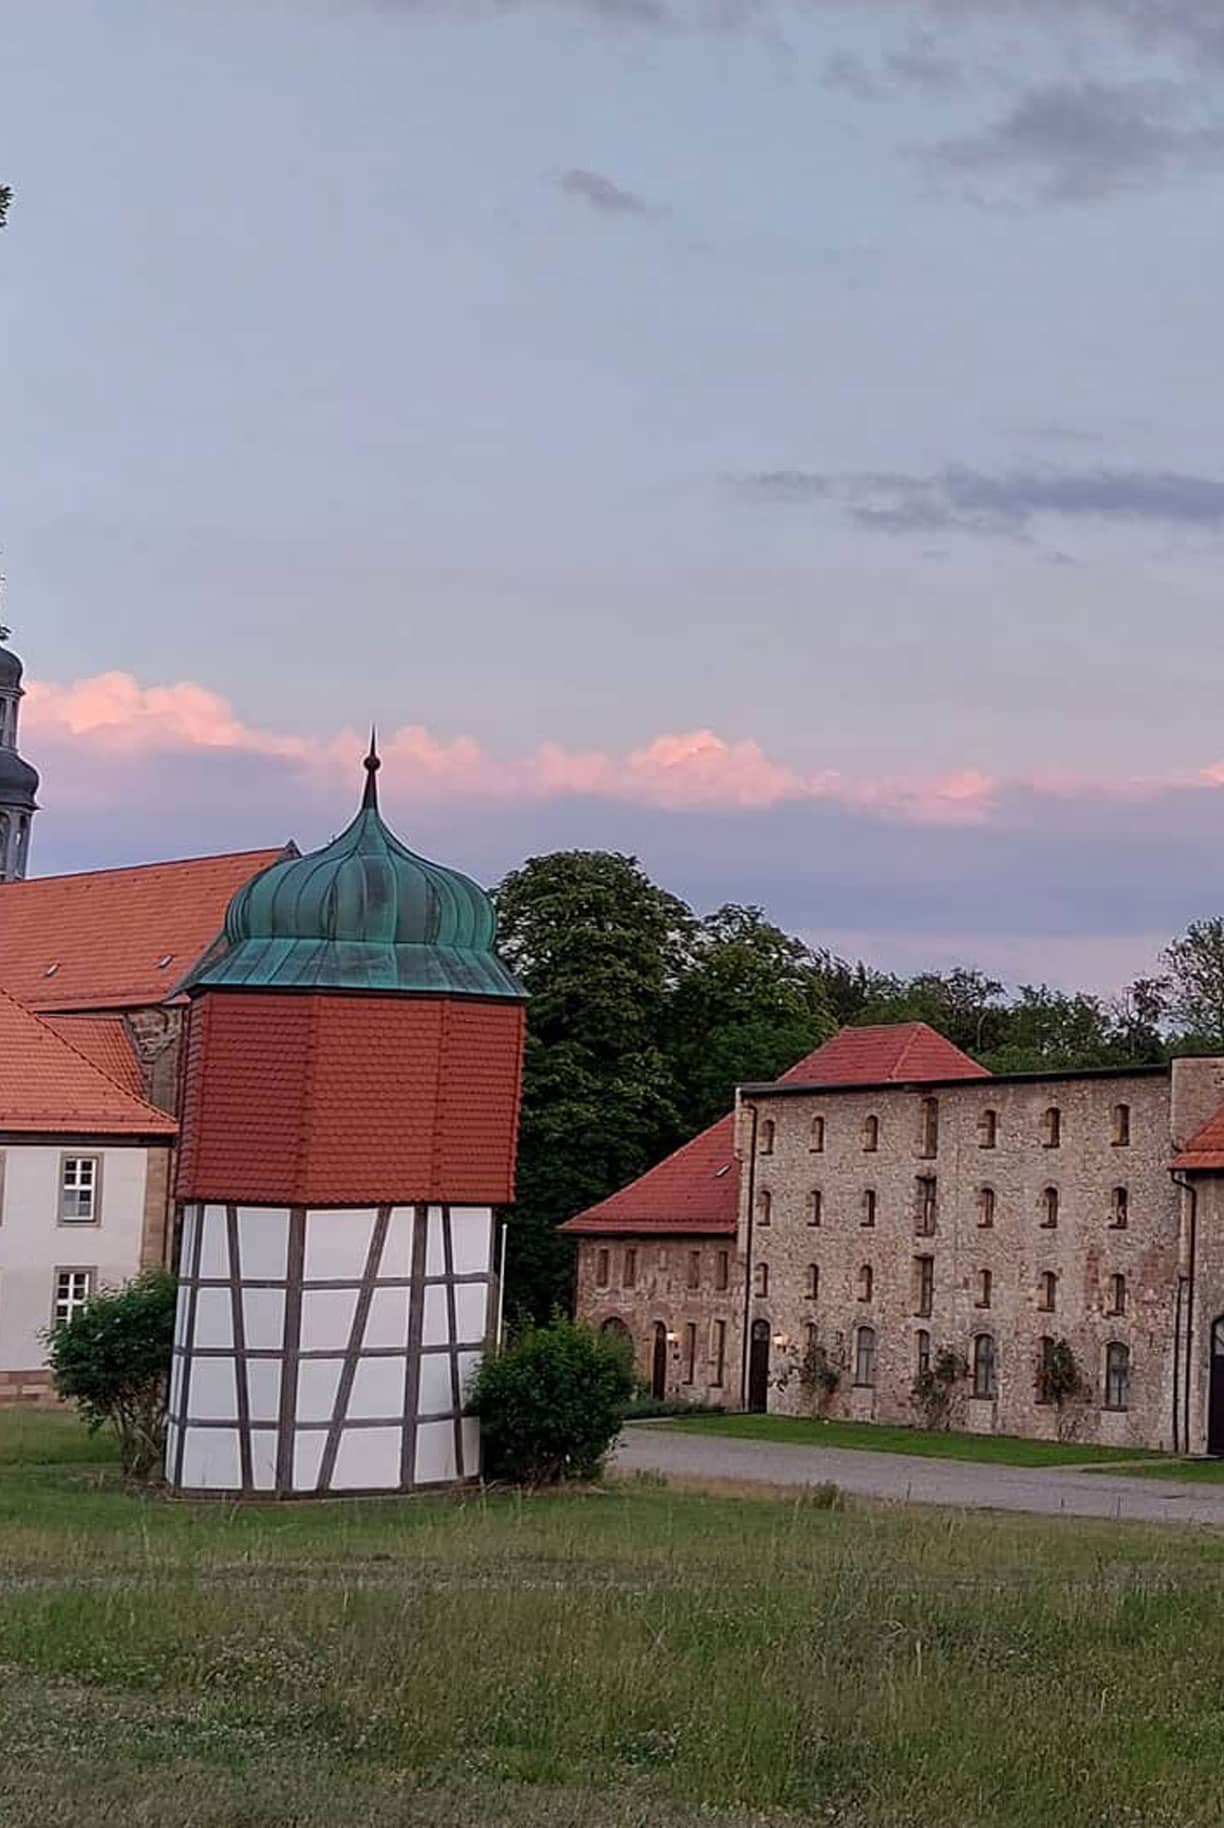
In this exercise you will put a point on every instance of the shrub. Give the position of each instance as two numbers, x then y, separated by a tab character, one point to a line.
646	1408
112	1359
551	1406
934	1391
1061	1381
820	1373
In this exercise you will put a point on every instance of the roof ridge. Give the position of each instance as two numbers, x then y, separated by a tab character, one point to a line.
915	1029
123	1090
159	863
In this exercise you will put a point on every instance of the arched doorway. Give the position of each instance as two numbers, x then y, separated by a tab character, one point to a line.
758	1368
658	1363
1215	1403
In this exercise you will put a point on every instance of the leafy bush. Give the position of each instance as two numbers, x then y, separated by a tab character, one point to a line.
934	1391
1061	1381
551	1406
112	1359
642	1407
820	1373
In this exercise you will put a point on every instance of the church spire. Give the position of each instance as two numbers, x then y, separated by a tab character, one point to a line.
18	781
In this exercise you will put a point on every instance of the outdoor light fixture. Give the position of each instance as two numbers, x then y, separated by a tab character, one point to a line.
781	1341
673	1339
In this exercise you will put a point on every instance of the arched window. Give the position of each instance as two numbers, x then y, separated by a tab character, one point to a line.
760	1281
1117	1295
722	1270
602	1268
815	1204
985	1366
865	1282
922	1352
926	1198
1051	1128
1119	1208
986	1207
988	1130
1049	1208
629	1277
768	1132
929	1135
1047	1292
811	1339
1121	1126
871	1134
865	1357
1117	1375
693	1278
1045	1370
812	1282
868	1218
615	1328
816	1135
764	1207
984	1280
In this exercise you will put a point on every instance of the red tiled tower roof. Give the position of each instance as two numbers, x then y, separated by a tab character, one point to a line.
696	1189
48	1087
116	939
1205	1149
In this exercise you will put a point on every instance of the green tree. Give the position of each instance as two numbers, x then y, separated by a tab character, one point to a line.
964	1004
1194	984
552	1405
6	197
749	1004
1054	1030
112	1359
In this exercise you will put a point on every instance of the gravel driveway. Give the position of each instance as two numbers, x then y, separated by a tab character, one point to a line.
1051	1490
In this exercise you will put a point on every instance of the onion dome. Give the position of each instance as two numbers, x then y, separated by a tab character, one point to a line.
363	913
10	670
18	781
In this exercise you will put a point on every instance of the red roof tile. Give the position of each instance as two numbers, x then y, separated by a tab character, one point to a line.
1205	1149
47	1086
697	1188
105	1041
98	940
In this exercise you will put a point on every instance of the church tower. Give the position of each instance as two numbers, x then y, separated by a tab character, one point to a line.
18	781
351	1079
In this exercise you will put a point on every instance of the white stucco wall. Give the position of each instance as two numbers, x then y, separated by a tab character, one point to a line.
35	1243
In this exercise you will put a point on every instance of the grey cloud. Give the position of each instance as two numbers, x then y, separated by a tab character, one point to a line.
602	194
966	500
848	73
1082	141
921	64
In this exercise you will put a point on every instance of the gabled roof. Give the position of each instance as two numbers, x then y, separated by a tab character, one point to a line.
116	939
1205	1149
46	1086
105	1041
696	1189
902	1051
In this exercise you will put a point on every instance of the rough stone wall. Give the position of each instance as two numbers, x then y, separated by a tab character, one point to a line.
155	1034
661	1295
1084	1250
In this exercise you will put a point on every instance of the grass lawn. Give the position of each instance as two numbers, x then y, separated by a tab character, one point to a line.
1195	1472
1000	1449
626	1658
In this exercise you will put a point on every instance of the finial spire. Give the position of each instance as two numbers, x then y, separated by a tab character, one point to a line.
372	764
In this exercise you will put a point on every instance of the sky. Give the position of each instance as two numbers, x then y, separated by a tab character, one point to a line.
778	438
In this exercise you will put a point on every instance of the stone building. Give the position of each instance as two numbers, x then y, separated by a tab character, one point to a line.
895	1203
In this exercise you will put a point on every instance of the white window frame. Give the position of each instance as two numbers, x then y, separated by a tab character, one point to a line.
71	1302
70	1191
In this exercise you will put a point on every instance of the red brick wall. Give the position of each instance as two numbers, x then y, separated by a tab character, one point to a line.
319	1100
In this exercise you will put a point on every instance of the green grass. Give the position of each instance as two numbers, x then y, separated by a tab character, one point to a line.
1194	1472
998	1449
610	1659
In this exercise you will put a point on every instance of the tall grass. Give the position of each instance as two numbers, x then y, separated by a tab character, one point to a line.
608	1658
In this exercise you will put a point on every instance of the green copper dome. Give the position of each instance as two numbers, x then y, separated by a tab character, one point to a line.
363	913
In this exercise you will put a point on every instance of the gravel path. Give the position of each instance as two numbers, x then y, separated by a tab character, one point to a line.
1050	1490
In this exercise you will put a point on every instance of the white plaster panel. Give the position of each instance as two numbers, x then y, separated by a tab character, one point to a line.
263	1319
318	1379
471	1447
327	1319
214	1390
435	1256
214	1320
435	1397
471	1232
264	1388
308	1444
435	1453
397	1251
187	1240
263	1243
337	1245
387	1322
435	1322
214	1251
368	1459
469	1364
471	1310
211	1460
263	1458
378	1389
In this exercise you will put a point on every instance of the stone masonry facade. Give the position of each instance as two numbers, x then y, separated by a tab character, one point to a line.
995	1218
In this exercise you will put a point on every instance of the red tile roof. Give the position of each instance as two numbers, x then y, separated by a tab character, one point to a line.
105	1041
1205	1149
47	1086
902	1051
697	1188
98	940
319	1100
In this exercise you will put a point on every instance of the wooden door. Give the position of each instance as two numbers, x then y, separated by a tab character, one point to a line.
758	1368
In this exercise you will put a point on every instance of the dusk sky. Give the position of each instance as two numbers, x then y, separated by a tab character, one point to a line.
782	440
